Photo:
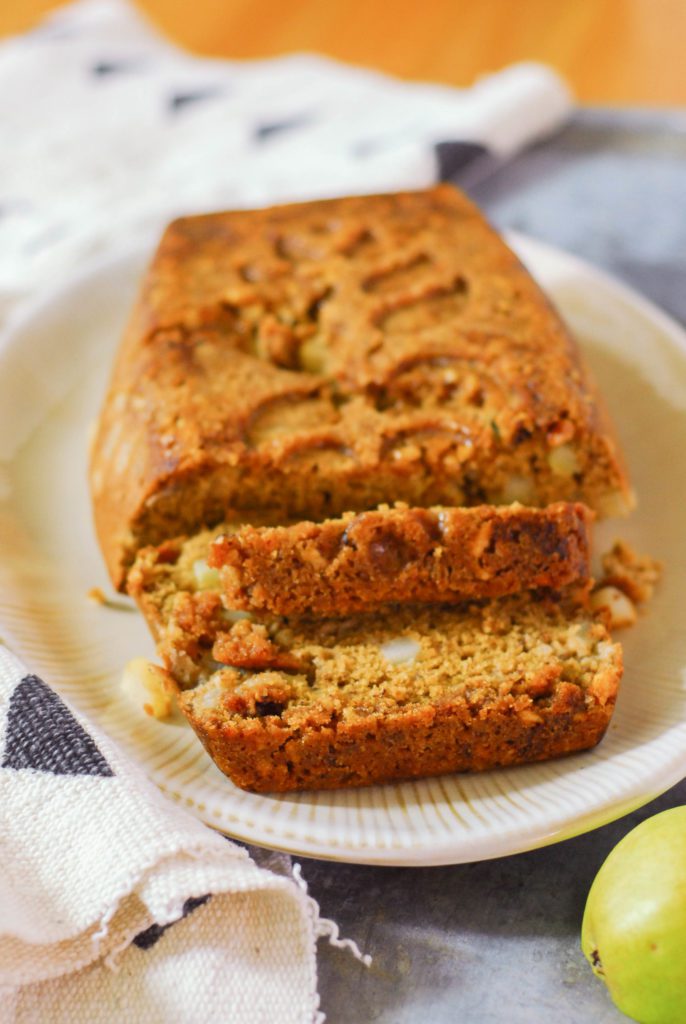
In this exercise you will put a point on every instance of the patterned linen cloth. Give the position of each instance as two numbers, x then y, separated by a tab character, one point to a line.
97	866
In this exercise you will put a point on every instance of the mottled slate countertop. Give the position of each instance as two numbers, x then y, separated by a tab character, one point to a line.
498	941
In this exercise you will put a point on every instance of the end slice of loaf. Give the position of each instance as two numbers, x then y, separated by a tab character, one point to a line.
398	555
293	703
329	356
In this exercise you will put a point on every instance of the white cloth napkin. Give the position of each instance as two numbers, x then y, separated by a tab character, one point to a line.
115	904
108	131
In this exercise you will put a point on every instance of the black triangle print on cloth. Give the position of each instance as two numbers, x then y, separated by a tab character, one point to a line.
151	935
43	735
463	162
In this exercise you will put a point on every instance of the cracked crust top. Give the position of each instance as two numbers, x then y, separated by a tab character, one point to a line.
329	356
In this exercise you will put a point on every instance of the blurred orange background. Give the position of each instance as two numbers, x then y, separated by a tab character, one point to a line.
611	51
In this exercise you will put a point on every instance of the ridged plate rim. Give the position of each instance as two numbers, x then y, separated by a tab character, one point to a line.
437	821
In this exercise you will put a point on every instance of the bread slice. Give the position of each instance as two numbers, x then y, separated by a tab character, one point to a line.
289	704
398	555
329	356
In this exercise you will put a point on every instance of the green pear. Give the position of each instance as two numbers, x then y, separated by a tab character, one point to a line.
634	927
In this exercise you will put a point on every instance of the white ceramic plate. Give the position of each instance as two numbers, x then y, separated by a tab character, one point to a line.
53	369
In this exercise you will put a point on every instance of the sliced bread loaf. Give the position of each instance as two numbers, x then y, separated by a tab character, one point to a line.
413	690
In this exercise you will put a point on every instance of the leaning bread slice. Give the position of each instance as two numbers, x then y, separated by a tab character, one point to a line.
399	555
291	704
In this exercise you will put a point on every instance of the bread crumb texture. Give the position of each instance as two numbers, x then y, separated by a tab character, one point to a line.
292	702
628	583
401	554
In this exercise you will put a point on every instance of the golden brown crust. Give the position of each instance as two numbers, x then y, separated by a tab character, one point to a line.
399	555
263	755
408	691
330	356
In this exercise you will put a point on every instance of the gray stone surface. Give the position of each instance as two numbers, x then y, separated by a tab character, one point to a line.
490	943
611	187
497	942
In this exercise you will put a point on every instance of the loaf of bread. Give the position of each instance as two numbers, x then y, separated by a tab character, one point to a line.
413	690
308	472
400	555
325	357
